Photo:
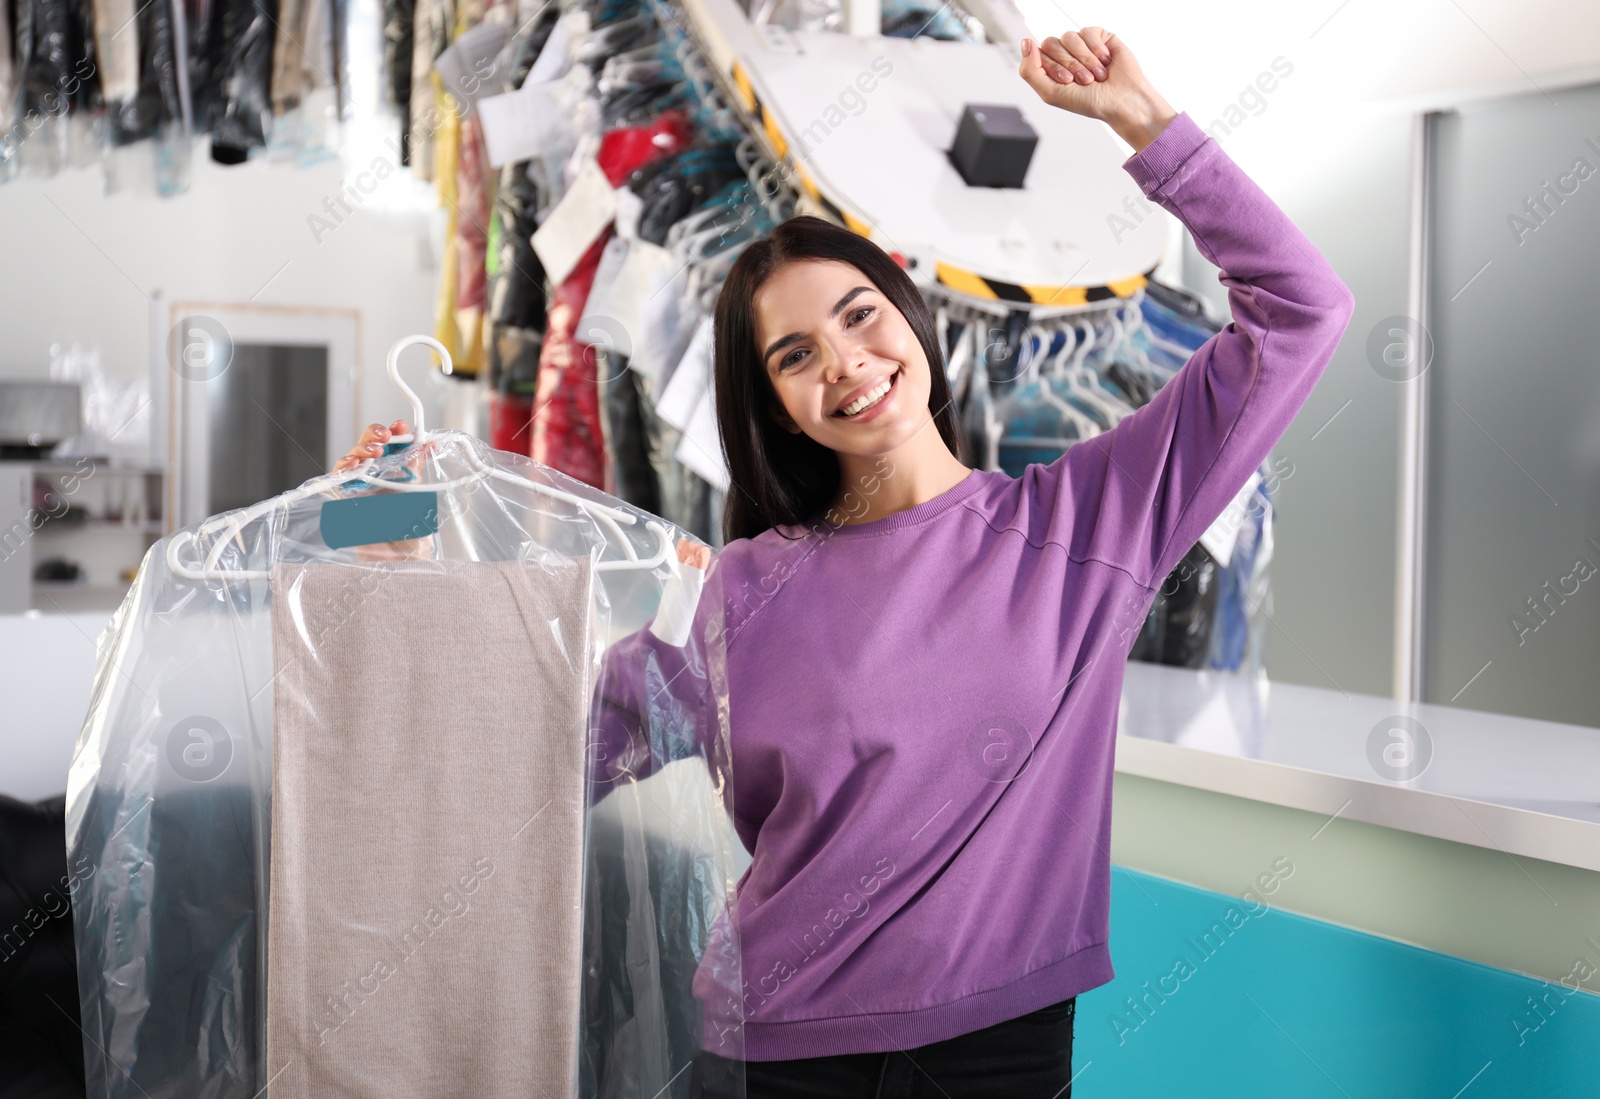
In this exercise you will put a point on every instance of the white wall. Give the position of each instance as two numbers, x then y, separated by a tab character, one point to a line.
79	263
1331	144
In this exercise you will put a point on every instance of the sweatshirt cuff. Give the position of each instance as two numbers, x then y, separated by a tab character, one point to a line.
1153	165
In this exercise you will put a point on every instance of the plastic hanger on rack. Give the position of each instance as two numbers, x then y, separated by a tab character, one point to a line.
1086	385
611	519
1086	427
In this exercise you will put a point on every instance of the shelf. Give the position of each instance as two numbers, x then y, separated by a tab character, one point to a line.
99	467
101	524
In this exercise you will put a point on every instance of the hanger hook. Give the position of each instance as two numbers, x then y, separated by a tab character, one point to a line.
411	394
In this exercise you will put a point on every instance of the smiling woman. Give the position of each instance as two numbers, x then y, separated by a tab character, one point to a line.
935	676
810	322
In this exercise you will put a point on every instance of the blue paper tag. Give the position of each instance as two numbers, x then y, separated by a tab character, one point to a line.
387	517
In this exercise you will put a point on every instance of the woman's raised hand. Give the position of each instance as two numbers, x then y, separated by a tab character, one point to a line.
370	445
1090	72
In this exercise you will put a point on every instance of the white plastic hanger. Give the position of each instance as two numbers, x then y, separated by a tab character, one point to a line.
611	518
1085	382
1087	427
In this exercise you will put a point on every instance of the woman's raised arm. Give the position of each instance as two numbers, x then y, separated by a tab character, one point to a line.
1140	495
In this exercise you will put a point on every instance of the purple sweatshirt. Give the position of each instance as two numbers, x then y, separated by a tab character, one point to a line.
922	708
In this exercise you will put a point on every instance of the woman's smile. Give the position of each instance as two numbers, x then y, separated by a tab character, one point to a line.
867	403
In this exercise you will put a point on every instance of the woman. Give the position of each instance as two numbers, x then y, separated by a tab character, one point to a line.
924	660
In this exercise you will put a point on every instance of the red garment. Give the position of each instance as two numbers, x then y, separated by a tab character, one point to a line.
510	417
566	411
624	150
566	408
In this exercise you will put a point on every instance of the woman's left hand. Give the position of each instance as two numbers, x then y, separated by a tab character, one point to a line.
1092	73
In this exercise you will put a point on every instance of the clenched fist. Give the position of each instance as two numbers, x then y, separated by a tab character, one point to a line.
1092	73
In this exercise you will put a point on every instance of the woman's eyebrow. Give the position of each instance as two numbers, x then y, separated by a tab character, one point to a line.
794	337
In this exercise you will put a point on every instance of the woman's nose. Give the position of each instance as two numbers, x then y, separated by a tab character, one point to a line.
846	363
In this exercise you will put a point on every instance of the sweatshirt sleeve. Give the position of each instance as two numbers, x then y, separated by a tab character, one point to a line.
1141	494
655	702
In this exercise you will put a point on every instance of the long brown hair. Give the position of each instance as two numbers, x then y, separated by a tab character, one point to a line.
778	476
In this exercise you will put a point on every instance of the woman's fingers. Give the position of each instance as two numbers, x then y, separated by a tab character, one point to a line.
1083	53
1060	65
1098	39
1069	60
1034	70
371	444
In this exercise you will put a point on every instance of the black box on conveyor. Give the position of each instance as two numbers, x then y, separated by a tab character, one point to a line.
994	145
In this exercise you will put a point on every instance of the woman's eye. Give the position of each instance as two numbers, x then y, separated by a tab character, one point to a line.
859	312
789	359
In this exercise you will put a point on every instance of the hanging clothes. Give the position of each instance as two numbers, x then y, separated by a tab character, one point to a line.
398	47
474	200
239	737
298	52
567	432
566	413
240	114
154	103
358	974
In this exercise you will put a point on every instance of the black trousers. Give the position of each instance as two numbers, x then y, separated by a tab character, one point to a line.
1029	1057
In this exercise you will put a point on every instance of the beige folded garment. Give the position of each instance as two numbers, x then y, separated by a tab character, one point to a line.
424	928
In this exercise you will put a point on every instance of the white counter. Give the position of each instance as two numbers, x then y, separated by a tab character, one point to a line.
1517	785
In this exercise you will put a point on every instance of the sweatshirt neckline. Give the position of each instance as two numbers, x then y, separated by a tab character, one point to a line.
912	516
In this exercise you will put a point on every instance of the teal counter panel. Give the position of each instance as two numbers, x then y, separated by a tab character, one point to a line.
1221	996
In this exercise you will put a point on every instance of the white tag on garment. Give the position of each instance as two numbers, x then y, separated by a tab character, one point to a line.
681	595
582	215
467	68
659	314
629	207
700	449
553	60
1223	533
688	380
600	326
612	313
521	125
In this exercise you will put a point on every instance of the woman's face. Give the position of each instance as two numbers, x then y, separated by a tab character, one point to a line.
832	343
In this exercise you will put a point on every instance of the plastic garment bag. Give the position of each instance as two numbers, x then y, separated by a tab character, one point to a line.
259	744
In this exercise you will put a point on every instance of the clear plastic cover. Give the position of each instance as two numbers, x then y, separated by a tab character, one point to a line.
296	796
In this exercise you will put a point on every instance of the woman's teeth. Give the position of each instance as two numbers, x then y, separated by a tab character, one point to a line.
868	399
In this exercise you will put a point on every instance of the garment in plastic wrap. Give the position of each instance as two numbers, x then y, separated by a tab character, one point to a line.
239	117
398	46
173	794
1244	594
1177	630
155	104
